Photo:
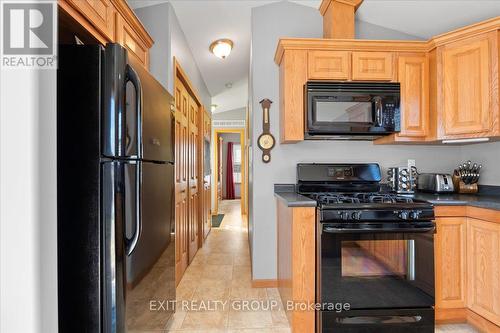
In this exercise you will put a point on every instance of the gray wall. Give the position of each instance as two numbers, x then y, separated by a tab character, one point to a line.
235	138
487	154
236	114
269	23
162	24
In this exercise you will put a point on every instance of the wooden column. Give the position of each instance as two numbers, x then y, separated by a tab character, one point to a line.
338	18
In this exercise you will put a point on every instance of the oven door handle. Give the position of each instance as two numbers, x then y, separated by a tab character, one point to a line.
335	230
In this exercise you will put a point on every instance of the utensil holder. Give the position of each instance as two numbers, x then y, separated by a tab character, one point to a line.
461	187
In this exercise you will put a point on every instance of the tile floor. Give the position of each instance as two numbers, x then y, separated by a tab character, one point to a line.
220	272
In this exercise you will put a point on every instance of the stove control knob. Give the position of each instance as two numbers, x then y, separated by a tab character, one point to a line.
403	215
345	216
356	215
415	215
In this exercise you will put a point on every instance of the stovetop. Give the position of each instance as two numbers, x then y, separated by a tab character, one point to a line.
330	198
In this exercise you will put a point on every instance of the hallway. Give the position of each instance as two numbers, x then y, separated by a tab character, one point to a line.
220	276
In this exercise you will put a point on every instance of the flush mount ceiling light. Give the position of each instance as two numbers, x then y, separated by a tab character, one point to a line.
213	107
221	48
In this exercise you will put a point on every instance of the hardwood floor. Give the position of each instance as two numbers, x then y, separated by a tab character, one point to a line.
220	271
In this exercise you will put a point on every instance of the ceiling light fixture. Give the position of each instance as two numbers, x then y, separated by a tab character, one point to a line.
213	107
221	48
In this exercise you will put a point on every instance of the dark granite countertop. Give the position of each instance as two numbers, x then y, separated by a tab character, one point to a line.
454	199
488	198
286	192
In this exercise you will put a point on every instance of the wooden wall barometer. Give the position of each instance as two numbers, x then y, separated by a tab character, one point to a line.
266	139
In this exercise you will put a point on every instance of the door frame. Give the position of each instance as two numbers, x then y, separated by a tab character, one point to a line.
244	185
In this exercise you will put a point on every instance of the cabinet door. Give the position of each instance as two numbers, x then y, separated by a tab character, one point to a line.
468	91
328	65
100	13
483	268
373	66
450	262
126	36
413	74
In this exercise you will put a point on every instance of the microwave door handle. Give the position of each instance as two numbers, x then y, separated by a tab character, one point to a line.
133	77
378	111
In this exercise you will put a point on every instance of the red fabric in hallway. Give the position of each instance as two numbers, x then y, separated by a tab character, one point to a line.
229	172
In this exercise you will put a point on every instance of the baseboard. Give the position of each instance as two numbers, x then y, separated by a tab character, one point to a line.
449	316
481	323
264	283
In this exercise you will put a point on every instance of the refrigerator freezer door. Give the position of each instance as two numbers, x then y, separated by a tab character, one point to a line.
151	267
157	116
137	115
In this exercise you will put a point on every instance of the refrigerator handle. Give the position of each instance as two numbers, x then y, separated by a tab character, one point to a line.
132	242
133	77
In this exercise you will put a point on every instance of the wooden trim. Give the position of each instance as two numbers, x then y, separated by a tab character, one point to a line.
465	32
481	323
347	45
181	74
244	184
265	283
447	316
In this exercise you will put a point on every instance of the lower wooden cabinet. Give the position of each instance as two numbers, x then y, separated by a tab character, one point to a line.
483	269
450	262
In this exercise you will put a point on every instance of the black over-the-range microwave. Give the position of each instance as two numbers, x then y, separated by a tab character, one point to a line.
351	110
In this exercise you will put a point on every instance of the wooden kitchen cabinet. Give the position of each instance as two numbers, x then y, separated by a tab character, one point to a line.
413	75
483	268
450	262
467	86
130	39
329	65
101	13
373	66
107	21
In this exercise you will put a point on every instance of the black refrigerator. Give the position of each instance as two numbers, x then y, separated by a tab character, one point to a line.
115	173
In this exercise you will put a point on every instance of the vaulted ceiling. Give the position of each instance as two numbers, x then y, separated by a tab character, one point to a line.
208	20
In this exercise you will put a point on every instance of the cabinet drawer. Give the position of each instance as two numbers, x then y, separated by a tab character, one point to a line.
328	65
100	13
127	37
373	66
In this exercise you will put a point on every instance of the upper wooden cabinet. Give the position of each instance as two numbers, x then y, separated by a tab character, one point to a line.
101	13
483	268
449	84
467	95
373	66
329	65
130	39
111	21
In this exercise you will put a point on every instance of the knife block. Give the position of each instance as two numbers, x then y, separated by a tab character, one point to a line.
461	187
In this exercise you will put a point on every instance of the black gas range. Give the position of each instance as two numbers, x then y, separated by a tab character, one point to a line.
375	252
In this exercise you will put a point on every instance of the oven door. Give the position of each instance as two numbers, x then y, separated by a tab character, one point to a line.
377	269
384	276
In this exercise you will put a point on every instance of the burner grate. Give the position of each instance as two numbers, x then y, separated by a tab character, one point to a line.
376	198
